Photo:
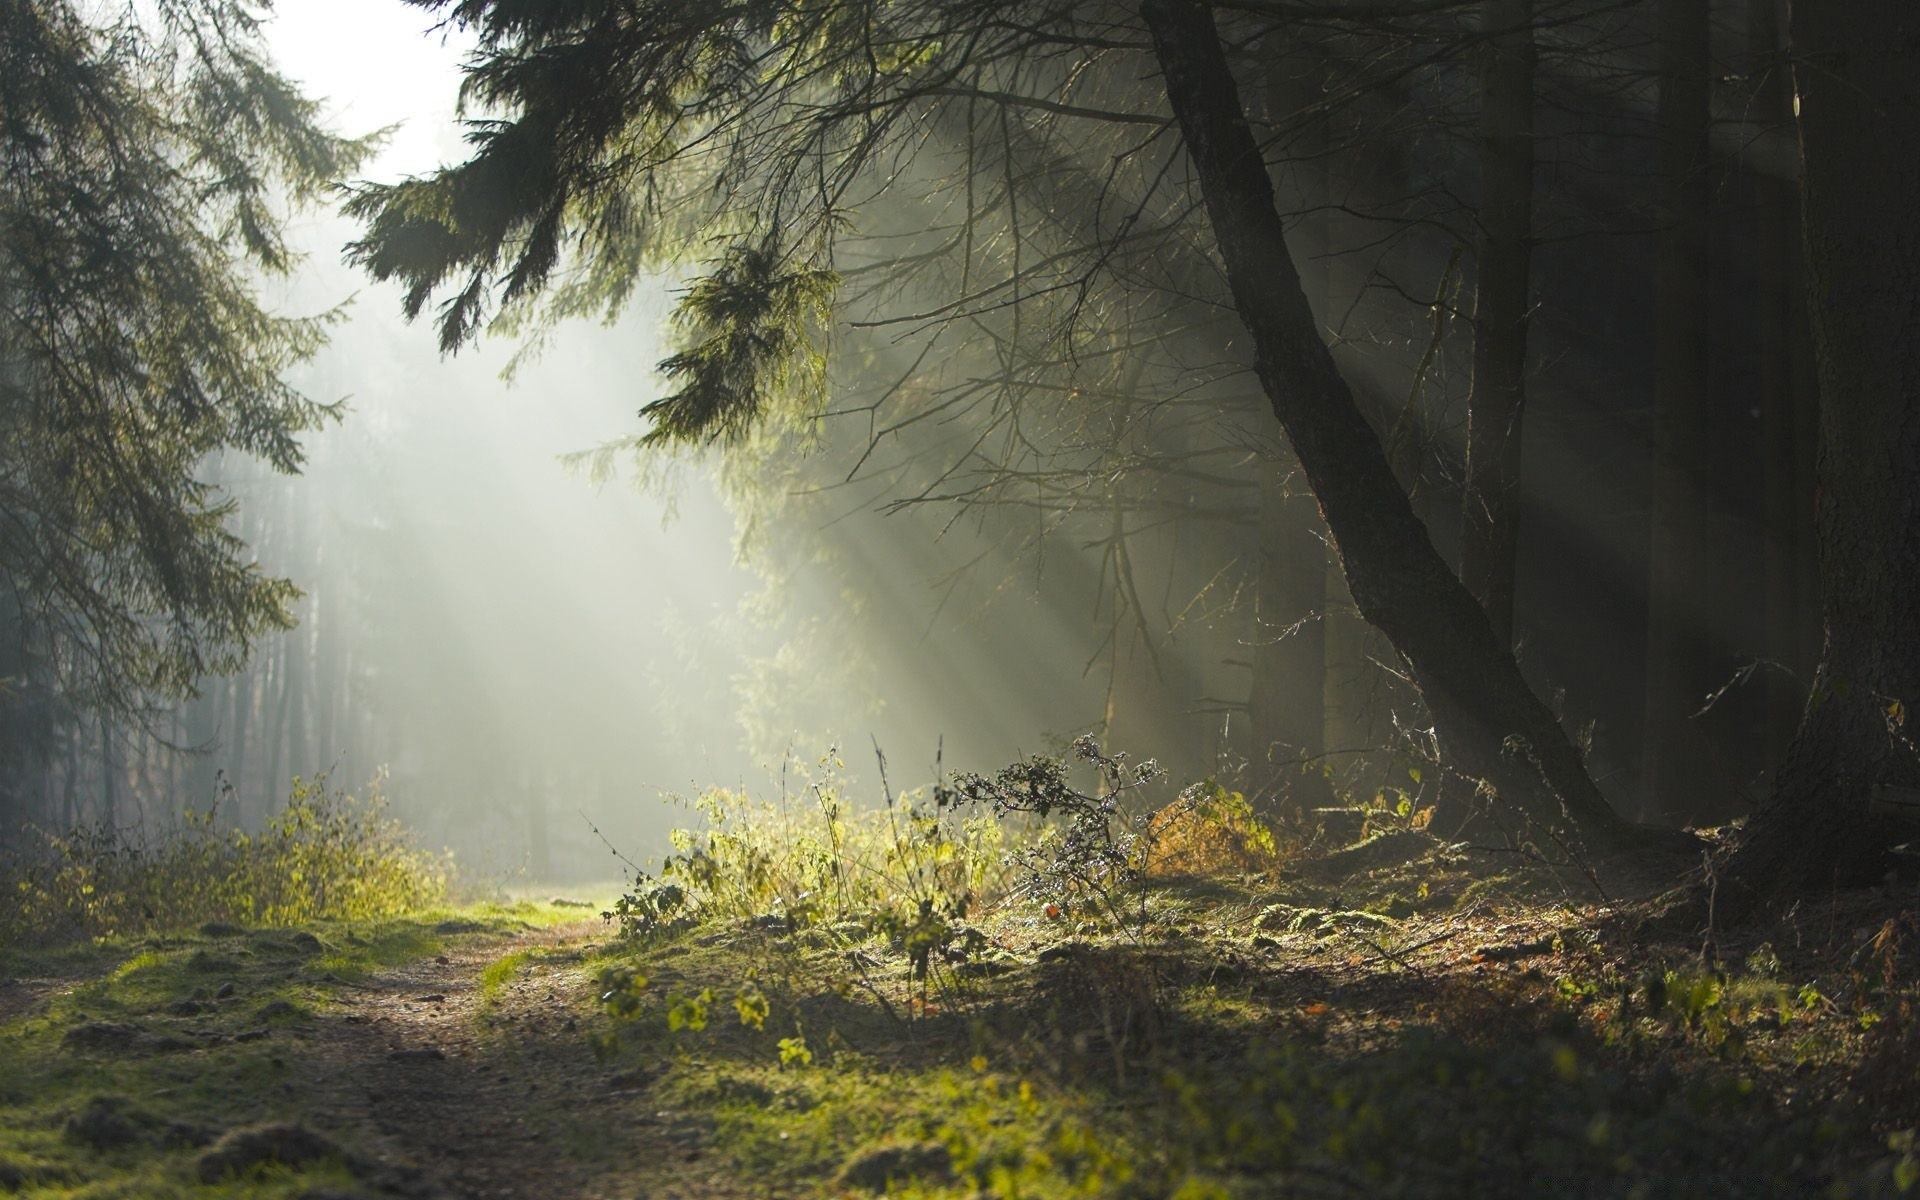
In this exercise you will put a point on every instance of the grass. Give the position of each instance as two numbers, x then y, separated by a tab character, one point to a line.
818	1001
326	854
1450	1025
1238	1076
162	991
186	1035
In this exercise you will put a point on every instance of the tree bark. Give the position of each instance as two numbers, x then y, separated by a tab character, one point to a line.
1487	721
1858	99
1787	422
1503	257
1679	672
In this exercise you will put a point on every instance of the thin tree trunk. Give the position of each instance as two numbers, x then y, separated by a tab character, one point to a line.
1287	697
1679	568
1786	424
1503	253
1489	724
109	784
283	682
1286	704
1858	99
236	744
69	802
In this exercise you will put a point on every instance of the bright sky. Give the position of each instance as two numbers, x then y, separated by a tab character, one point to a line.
376	64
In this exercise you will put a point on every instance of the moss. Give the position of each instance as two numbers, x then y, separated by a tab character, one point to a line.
112	1084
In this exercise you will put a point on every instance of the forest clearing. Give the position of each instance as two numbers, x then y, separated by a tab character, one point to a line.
1383	537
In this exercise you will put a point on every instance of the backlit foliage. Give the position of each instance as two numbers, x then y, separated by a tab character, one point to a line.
327	855
814	856
142	154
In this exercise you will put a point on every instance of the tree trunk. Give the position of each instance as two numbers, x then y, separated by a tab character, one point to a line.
109	777
1680	597
1489	724
1286	705
1786	419
1858	99
281	681
1503	256
1287	698
242	685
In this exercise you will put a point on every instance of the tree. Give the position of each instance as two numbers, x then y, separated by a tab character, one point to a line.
1680	571
1781	351
1490	526
1858	100
143	161
628	132
1485	717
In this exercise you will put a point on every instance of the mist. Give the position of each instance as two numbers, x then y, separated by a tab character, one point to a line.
539	640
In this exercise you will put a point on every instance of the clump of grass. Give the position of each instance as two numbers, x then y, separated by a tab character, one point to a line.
329	855
501	972
814	856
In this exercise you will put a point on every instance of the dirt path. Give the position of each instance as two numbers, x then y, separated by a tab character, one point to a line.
23	994
476	1096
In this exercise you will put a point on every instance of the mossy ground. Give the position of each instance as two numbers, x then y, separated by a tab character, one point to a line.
124	1059
1451	1026
1438	1029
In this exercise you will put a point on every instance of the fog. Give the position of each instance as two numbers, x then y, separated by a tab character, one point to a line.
524	653
990	541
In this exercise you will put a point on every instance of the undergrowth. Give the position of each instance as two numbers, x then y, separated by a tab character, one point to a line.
1019	985
124	1077
328	855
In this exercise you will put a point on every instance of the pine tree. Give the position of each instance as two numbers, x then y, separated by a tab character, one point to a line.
144	161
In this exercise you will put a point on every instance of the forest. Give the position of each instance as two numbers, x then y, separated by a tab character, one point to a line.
959	598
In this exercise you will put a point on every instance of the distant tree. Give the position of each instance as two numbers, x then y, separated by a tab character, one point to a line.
1490	526
1681	593
143	158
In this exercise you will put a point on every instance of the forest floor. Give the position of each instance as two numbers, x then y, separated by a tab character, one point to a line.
1444	1026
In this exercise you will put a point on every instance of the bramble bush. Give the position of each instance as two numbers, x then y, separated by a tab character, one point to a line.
327	855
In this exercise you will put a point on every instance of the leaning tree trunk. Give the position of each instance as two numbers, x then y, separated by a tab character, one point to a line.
1489	724
1503	256
1858	98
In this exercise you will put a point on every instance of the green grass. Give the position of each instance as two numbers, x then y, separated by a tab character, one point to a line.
501	972
240	1060
1185	1067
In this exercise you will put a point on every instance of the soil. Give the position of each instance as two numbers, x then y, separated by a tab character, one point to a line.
455	1095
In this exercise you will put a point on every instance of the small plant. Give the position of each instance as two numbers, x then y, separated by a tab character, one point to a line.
1094	857
651	907
1211	830
901	870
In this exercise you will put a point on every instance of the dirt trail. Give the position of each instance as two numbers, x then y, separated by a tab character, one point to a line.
487	1097
23	994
